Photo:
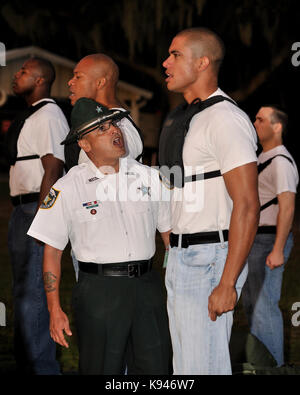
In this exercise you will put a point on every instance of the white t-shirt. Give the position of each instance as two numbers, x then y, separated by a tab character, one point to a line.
280	176
41	134
132	140
108	218
221	137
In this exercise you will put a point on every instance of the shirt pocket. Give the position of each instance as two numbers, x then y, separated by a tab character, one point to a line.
144	216
96	214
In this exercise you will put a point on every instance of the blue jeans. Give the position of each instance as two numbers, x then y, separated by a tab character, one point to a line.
261	295
35	351
200	346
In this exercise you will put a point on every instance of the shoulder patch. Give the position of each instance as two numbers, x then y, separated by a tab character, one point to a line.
50	199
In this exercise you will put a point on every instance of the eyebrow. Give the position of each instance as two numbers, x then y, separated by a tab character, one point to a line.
78	72
175	51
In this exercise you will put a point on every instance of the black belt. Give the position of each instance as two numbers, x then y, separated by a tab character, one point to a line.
197	238
23	199
118	269
267	229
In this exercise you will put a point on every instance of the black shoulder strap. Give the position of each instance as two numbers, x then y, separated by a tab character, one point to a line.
12	135
262	166
197	106
172	138
269	203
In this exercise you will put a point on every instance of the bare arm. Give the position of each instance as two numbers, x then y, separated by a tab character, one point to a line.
53	168
286	202
241	184
51	274
166	238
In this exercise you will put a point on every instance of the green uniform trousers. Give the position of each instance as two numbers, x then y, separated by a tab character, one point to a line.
122	322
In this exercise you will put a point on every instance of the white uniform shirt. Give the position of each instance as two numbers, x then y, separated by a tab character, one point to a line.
41	134
132	140
219	138
101	228
280	176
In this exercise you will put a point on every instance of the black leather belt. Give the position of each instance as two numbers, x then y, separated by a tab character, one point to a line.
23	199
197	238
266	229
119	269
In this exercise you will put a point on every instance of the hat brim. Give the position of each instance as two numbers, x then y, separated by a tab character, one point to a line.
93	124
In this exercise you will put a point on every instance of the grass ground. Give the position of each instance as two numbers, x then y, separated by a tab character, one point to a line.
68	358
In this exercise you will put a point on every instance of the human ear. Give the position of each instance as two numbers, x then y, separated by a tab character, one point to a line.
84	144
203	63
277	127
101	83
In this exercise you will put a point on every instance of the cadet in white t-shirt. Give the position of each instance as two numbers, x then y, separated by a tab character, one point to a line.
206	267
109	208
37	161
277	184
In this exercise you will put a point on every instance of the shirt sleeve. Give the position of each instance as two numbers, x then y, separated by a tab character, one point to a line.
50	224
285	176
53	129
164	208
233	141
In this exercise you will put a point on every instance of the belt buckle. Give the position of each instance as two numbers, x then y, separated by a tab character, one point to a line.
134	270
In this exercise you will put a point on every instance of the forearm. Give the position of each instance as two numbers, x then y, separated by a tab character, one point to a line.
51	276
59	322
242	231
166	238
283	227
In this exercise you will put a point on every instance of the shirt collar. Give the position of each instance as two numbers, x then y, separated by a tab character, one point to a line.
45	98
122	169
272	152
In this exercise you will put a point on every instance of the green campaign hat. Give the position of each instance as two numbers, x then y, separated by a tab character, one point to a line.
87	115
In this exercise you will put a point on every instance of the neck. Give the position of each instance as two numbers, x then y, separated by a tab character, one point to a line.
106	166
201	91
34	97
108	98
267	146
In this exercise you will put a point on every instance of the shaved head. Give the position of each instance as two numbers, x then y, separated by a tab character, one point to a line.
95	77
102	66
204	42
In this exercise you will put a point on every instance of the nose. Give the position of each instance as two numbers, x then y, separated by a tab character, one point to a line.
166	63
114	129
70	81
16	75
